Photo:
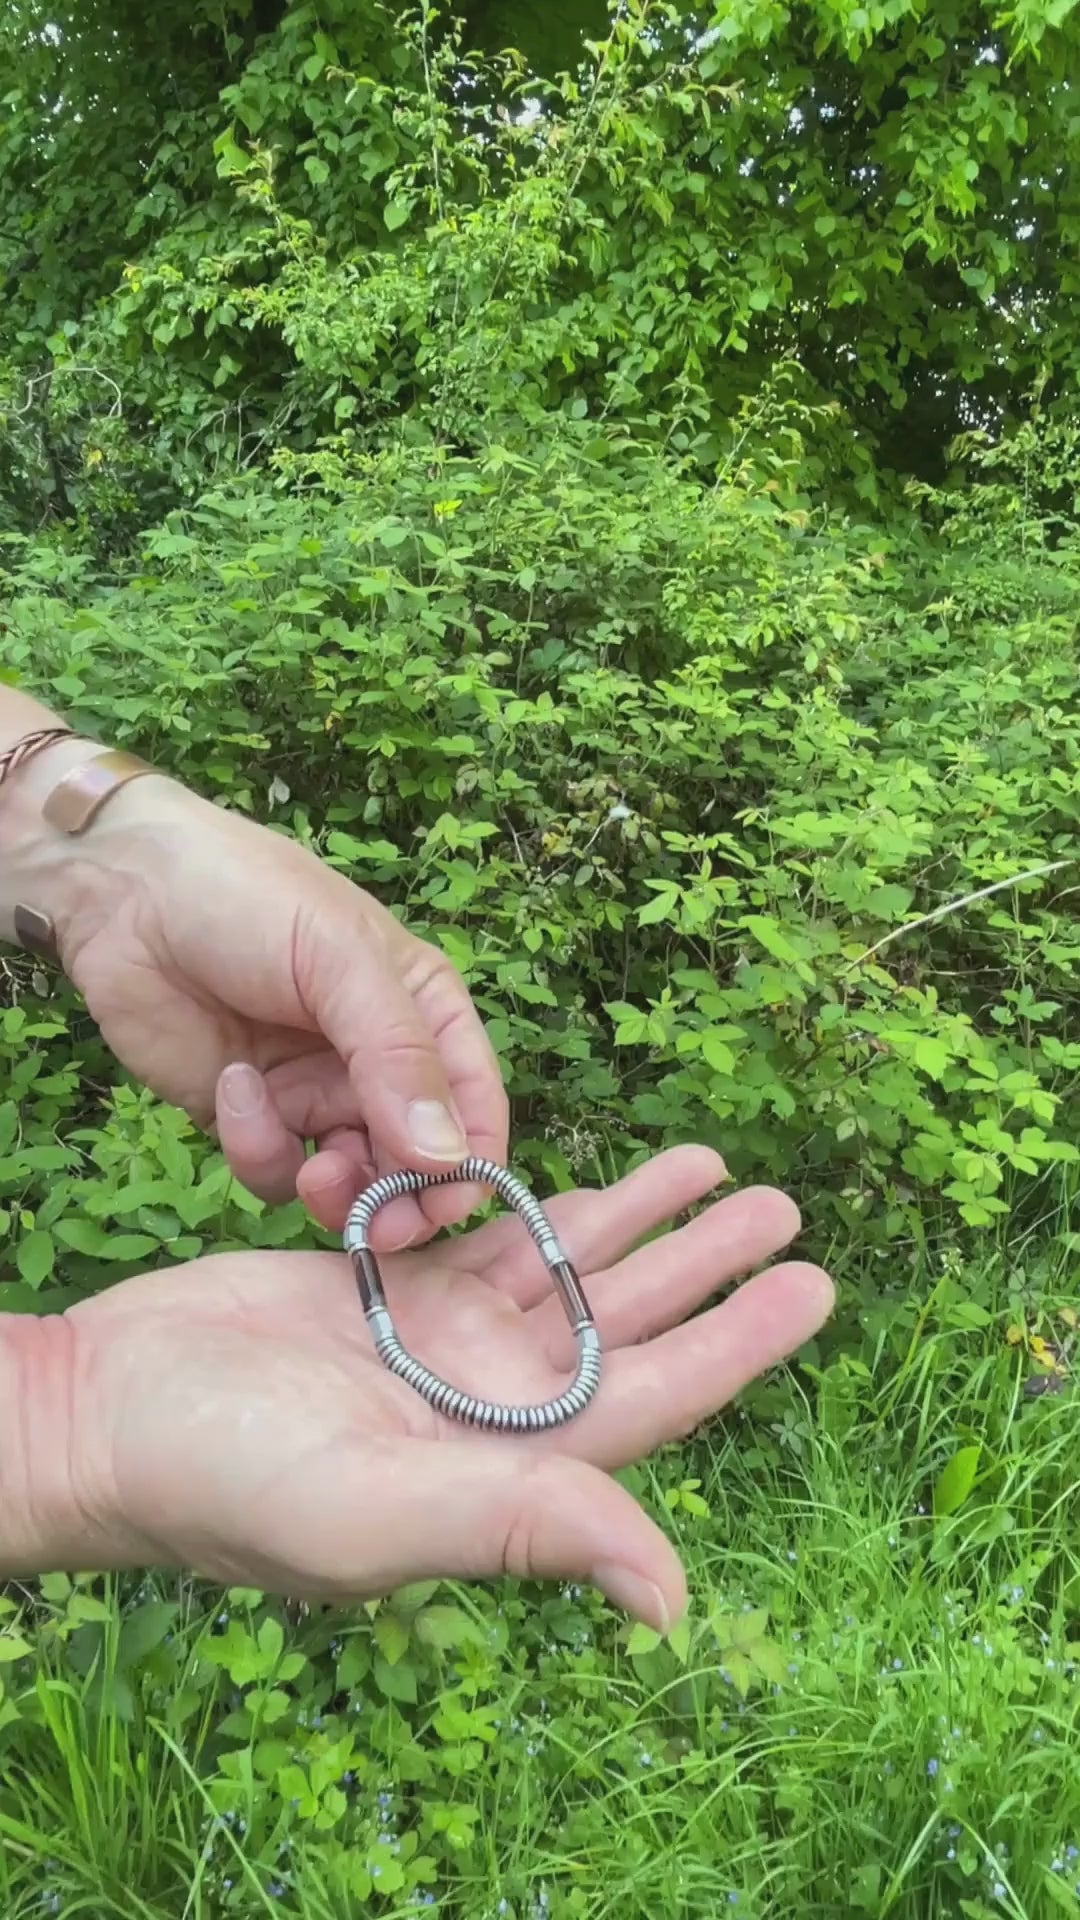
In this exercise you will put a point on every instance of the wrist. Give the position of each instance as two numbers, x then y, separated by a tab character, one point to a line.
81	881
50	1519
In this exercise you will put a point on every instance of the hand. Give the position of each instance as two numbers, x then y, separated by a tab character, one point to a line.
249	984
233	1417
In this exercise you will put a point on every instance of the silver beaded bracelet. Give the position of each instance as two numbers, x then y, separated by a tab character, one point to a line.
450	1401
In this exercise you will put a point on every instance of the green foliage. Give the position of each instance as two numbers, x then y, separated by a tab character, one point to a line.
249	226
744	824
868	1709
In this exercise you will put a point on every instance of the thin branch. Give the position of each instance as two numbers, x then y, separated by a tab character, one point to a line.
955	906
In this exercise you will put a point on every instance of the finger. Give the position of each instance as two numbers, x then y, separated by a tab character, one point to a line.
262	1153
596	1226
471	1067
434	1510
315	1099
659	1285
348	973
330	1180
653	1394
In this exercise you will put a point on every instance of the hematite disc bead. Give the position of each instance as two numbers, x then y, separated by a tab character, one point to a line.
493	1416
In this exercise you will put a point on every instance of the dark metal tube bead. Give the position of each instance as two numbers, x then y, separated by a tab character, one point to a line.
368	1279
571	1293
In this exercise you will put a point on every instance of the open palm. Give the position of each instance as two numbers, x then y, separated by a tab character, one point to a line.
233	1417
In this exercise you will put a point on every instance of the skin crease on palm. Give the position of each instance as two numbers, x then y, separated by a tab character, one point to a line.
234	1418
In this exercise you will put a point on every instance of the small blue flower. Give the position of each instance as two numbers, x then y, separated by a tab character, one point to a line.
931	1767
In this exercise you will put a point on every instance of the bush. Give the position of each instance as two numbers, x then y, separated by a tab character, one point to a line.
744	823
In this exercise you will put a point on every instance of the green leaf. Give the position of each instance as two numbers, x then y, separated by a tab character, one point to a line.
1060	1896
271	1640
13	1647
35	1257
739	1670
679	1641
659	908
144	1630
955	1481
395	214
770	1660
746	1628
866	1887
176	1159
642	1639
391	1637
768	934
717	1054
931	1056
398	1682
87	1608
129	1246
446	1627
83	1236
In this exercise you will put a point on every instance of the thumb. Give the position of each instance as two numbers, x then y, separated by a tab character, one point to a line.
349	969
430	1511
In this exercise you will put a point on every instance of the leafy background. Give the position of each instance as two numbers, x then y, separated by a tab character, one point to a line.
610	487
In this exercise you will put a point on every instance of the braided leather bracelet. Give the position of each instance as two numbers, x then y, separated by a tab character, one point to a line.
455	1404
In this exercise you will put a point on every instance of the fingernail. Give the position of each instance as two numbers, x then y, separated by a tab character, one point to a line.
434	1131
635	1595
241	1091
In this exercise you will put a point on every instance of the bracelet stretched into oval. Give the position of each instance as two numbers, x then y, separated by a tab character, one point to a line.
493	1416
